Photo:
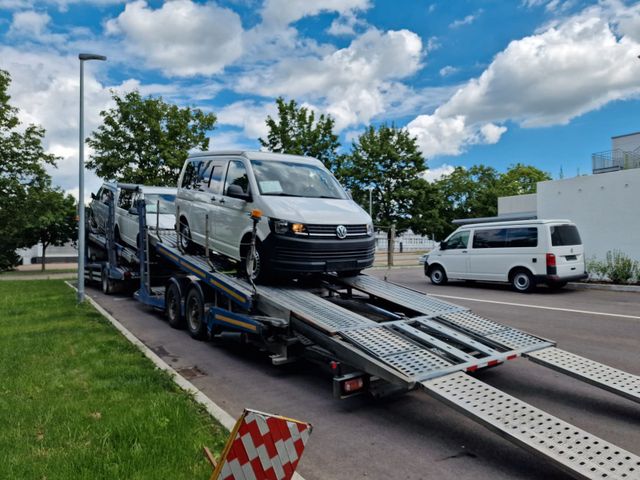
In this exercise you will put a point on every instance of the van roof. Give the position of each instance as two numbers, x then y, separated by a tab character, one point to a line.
148	188
515	223
257	155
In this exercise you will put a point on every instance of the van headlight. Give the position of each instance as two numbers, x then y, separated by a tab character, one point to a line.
370	229
282	227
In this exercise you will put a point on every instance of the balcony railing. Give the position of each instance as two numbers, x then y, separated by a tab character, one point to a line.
613	160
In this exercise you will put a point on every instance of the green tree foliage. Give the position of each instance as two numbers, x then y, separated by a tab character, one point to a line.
22	171
388	161
296	131
52	220
146	140
520	180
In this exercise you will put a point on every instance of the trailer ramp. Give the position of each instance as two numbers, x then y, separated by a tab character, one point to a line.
576	451
595	373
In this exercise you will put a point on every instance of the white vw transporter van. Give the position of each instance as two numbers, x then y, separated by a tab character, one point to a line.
523	253
309	224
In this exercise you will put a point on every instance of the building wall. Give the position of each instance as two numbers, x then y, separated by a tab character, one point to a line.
626	143
517	204
605	208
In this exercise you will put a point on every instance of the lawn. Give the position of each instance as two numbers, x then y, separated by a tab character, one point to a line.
78	401
26	273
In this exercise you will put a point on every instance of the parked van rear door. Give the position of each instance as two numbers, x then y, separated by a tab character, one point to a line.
566	245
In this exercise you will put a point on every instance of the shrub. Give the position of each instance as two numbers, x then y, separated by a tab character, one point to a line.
597	268
620	268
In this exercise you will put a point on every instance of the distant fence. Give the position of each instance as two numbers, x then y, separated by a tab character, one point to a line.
404	243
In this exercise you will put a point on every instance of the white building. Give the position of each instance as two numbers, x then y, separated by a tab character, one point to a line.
605	206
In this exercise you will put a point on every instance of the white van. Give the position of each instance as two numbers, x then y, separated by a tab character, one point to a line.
522	253
309	223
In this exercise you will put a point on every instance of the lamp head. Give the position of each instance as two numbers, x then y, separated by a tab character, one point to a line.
91	56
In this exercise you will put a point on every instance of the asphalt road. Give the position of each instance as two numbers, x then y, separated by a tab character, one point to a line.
414	436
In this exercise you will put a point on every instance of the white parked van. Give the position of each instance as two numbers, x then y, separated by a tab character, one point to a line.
522	253
309	224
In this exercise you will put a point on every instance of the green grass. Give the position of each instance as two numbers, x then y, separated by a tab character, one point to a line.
26	273
77	400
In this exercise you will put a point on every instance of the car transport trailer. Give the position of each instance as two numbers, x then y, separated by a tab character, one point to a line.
382	338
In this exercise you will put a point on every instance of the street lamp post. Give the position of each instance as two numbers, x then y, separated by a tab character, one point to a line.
81	233
370	202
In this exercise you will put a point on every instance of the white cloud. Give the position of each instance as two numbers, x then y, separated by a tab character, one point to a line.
279	13
448	70
230	140
181	38
435	174
345	25
29	23
350	83
575	65
468	20
250	116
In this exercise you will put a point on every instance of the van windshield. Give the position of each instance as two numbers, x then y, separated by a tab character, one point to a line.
166	203
562	235
291	179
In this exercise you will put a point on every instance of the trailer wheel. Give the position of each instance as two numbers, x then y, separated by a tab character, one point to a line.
194	312
172	306
107	283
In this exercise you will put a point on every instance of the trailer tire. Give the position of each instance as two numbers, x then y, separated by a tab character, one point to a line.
194	313
106	282
172	306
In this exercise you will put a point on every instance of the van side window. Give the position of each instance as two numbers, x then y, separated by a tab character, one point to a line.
190	174
204	172
458	241
494	238
237	175
522	237
215	183
124	201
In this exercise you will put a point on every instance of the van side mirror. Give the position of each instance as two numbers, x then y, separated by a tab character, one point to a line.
235	191
133	211
93	196
443	245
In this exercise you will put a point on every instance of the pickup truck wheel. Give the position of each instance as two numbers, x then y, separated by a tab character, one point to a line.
172	306
438	275
194	312
522	281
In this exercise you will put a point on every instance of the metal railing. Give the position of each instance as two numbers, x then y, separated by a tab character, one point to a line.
614	160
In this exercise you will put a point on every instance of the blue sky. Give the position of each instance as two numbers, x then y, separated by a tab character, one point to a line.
543	82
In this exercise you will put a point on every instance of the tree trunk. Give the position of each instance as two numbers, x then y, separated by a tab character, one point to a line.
44	257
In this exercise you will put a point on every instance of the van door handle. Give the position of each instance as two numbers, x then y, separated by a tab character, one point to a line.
213	199
221	200
464	251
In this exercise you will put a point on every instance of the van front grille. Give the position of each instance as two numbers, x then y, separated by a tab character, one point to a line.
353	231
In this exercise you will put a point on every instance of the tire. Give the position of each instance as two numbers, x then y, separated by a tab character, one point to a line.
172	308
185	237
260	272
438	276
348	273
522	281
106	282
194	313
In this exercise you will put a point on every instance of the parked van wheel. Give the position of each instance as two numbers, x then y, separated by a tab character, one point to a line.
185	237
259	273
522	281
194	312
106	282
438	275
172	306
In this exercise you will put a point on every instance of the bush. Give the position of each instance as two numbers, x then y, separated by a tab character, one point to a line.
620	268
597	269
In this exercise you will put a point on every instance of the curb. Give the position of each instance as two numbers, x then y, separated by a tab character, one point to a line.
226	420
603	286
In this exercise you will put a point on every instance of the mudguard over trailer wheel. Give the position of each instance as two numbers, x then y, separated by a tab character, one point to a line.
194	312
172	303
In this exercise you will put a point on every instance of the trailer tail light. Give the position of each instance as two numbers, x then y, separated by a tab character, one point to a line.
353	385
551	260
350	384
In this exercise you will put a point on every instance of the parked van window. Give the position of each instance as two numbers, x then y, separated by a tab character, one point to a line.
237	175
494	238
563	235
124	201
522	237
459	240
204	174
190	176
215	183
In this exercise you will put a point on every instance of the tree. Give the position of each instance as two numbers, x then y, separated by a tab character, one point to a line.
297	132
520	180
23	164
146	140
52	220
427	211
388	161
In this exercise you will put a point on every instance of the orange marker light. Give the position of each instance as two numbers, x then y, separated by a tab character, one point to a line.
256	213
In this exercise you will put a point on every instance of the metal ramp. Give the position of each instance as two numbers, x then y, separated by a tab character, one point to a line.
576	451
595	373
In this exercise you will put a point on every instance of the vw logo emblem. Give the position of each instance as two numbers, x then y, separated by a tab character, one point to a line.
341	231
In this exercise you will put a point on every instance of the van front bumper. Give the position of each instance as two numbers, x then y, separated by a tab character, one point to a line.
310	255
558	279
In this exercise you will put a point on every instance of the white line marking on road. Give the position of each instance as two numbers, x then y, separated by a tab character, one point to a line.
571	310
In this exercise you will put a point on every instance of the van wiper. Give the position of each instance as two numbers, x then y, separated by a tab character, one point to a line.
282	194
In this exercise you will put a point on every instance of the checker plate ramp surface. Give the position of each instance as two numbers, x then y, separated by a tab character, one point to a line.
391	348
576	451
401	295
315	310
603	376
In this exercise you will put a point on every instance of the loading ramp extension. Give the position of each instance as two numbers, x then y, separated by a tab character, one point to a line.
434	345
